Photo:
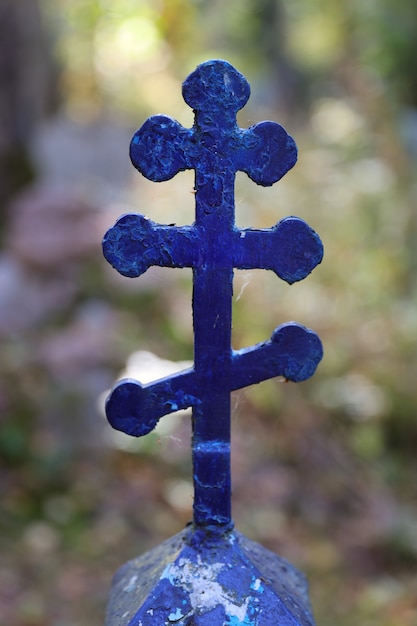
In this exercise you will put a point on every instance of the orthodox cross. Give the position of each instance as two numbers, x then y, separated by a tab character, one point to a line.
216	148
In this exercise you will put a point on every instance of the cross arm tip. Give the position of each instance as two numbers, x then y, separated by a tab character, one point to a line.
158	150
270	153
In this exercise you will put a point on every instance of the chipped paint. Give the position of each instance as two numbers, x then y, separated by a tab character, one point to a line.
175	617
200	582
210	580
131	584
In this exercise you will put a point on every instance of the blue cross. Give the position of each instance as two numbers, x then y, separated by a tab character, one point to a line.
216	148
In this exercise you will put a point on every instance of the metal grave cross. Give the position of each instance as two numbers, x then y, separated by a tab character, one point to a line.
216	148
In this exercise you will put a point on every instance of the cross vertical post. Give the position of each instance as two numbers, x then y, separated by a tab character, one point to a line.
212	319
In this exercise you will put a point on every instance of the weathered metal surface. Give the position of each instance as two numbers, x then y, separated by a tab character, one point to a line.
210	574
213	246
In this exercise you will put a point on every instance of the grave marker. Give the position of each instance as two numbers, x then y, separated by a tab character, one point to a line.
210	574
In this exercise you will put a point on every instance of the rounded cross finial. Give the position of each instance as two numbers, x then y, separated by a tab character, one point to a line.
213	82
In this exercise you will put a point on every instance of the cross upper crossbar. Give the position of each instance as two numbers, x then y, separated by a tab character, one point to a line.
216	148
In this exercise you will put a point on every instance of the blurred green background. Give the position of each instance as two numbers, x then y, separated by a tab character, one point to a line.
324	473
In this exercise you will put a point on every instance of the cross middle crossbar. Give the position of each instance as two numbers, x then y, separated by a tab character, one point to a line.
289	248
216	148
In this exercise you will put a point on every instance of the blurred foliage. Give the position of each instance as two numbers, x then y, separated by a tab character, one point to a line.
127	55
323	471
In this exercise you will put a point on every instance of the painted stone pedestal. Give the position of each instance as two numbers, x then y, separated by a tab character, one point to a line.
204	578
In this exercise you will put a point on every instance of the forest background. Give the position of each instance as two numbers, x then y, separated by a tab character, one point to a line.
323	472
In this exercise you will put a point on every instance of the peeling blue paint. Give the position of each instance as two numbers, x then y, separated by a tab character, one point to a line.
219	580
